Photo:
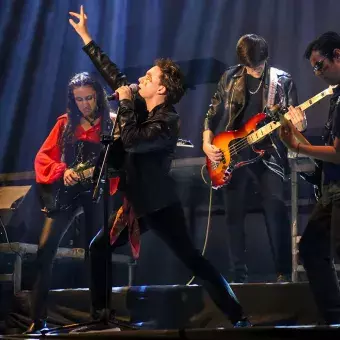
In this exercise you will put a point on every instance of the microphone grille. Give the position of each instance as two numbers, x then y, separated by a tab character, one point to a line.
134	88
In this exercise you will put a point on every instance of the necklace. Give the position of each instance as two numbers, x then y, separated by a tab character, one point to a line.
90	120
253	92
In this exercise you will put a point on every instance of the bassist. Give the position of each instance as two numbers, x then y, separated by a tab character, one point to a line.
243	91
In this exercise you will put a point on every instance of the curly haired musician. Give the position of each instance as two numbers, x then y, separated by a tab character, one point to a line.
320	242
74	139
150	190
243	91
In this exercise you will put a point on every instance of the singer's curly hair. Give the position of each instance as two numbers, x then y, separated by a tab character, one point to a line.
172	78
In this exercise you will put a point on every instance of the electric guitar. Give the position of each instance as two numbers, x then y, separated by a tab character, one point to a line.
232	142
58	197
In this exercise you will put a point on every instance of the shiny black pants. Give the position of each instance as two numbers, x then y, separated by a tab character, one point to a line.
52	233
169	224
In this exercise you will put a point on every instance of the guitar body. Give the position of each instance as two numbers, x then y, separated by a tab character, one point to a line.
231	142
57	197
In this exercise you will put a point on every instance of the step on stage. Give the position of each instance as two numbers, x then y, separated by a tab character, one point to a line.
278	311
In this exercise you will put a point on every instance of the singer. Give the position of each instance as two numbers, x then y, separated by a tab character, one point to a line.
243	91
150	190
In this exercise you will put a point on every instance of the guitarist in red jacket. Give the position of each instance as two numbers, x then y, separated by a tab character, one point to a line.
243	91
74	140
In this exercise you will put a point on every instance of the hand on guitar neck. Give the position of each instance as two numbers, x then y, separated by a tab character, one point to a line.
289	134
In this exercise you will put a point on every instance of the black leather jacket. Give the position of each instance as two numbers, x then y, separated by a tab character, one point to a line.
230	99
149	139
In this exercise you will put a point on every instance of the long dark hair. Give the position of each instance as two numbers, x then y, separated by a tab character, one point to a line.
252	50
74	114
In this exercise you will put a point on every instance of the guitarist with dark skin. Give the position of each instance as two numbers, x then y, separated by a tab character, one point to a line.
242	92
320	242
74	139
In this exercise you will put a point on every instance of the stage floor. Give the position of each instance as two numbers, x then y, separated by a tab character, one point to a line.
253	333
170	307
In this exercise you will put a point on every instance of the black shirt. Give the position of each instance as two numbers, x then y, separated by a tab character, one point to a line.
332	170
254	93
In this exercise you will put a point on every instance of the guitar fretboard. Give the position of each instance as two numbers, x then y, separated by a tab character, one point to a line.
270	127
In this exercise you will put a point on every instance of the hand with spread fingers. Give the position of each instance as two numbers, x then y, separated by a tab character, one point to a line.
81	26
297	117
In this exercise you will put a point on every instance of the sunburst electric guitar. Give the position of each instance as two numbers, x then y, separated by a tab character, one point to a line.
232	142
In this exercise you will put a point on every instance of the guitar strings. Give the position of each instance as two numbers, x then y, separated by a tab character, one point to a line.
243	142
240	144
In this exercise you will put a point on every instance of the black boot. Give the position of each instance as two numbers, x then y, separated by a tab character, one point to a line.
36	327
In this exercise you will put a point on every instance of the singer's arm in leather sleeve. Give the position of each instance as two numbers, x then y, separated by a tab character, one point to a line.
216	102
158	132
107	68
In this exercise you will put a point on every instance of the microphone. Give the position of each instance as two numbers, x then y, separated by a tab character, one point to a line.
115	96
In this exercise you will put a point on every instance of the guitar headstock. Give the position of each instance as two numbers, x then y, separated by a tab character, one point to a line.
330	91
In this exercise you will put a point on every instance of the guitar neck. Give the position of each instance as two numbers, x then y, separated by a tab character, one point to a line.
308	103
270	127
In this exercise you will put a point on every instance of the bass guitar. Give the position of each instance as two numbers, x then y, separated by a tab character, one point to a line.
232	142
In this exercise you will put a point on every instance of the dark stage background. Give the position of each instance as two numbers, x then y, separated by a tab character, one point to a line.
40	52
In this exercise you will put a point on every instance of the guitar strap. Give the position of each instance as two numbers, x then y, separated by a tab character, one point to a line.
273	79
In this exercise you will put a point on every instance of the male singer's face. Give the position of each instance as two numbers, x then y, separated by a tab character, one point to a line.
150	85
85	98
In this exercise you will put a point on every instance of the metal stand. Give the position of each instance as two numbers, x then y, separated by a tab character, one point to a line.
297	165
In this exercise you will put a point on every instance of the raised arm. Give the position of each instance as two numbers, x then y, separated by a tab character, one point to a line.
106	67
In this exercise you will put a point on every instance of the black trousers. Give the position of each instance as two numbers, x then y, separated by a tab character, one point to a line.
52	233
169	224
270	186
319	244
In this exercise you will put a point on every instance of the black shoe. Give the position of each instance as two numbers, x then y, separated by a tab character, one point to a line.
37	327
243	323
